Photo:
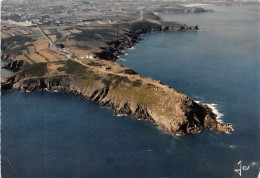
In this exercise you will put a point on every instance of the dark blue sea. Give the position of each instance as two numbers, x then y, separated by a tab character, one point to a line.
60	135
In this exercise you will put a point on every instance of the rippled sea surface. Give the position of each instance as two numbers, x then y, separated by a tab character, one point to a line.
60	135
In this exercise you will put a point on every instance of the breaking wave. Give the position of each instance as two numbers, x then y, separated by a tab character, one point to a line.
120	115
215	110
132	48
121	59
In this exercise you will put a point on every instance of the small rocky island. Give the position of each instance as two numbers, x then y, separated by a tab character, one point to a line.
82	60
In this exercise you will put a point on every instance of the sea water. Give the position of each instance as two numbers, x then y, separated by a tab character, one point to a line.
60	135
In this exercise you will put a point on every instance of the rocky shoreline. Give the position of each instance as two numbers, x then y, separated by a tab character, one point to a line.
121	90
115	48
197	115
178	9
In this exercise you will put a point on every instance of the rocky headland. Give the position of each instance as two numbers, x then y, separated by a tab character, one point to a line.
179	9
124	93
102	80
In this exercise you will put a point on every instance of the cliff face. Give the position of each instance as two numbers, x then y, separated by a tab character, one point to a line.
181	10
115	48
128	94
14	65
113	86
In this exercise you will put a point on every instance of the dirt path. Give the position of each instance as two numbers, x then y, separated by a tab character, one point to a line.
45	36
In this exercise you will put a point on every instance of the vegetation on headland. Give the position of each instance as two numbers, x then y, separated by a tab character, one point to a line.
72	67
110	84
84	73
36	69
137	83
15	44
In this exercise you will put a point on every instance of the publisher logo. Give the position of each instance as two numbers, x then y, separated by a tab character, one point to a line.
241	168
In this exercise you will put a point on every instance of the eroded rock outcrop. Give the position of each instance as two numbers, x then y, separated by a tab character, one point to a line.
115	48
128	94
14	65
177	9
118	88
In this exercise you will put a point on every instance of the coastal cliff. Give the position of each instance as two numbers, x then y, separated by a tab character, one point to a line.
97	77
132	37
178	9
124	93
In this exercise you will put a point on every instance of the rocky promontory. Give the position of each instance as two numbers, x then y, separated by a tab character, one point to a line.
179	9
124	93
132	37
97	77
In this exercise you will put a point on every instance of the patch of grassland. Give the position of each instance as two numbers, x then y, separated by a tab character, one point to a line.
48	55
41	45
36	57
119	79
36	69
96	34
15	44
19	50
121	85
85	47
80	72
143	95
53	38
92	63
137	83
47	32
74	68
115	80
58	35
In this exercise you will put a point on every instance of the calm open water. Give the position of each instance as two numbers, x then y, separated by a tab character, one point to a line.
60	135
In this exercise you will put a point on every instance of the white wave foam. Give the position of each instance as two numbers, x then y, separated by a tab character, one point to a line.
146	151
132	48
232	147
121	59
149	150
199	99
126	54
158	127
213	106
120	115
